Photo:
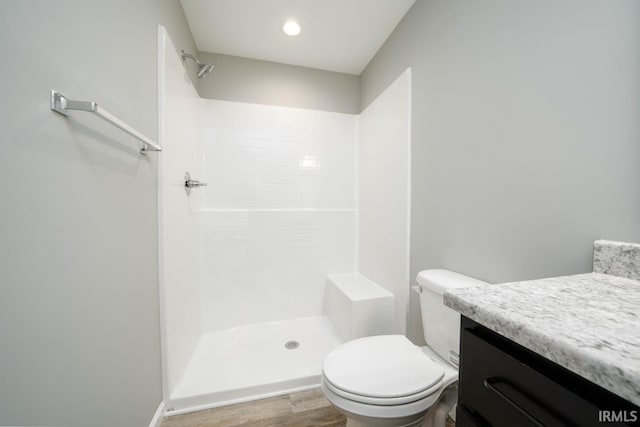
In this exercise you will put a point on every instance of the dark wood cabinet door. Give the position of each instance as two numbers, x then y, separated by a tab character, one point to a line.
503	384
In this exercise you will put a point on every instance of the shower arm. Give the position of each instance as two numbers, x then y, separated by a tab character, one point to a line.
188	55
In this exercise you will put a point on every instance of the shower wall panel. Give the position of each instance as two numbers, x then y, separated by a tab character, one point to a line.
384	196
279	212
179	228
262	156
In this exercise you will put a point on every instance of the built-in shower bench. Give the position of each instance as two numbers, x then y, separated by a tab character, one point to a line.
357	307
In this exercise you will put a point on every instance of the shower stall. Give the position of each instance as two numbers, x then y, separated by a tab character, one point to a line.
292	196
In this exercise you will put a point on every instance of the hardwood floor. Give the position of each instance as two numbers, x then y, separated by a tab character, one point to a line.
304	409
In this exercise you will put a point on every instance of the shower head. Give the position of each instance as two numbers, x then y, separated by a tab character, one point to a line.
203	69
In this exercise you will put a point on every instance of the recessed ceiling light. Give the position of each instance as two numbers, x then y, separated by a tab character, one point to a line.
291	28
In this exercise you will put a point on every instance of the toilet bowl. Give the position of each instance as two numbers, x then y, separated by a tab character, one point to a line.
387	380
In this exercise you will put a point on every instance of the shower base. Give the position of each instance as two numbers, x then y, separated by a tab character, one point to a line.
253	362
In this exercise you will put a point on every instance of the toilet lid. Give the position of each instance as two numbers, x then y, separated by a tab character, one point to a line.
386	366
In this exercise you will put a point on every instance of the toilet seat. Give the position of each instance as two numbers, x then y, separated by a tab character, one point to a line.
384	401
359	410
384	370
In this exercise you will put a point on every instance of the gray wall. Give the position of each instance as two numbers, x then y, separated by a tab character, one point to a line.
526	138
262	82
79	322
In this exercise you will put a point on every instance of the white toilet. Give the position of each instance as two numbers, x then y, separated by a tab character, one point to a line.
386	380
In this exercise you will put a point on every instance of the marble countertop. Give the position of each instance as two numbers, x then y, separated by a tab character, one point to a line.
587	323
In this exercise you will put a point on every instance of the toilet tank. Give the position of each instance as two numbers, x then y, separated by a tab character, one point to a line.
440	323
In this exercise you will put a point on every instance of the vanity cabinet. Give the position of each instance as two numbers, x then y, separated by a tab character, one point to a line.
503	384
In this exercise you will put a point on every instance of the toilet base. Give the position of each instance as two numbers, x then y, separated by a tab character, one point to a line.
365	415
435	416
384	423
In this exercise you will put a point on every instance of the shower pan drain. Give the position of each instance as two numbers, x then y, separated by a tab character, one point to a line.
291	345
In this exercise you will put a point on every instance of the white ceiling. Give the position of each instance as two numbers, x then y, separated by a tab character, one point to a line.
337	35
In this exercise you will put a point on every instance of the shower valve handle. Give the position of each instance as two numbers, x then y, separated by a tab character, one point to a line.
192	183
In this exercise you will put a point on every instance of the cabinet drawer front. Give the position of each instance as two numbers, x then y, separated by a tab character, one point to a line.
465	418
500	387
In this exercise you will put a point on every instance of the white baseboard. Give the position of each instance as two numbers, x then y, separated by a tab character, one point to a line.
158	416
